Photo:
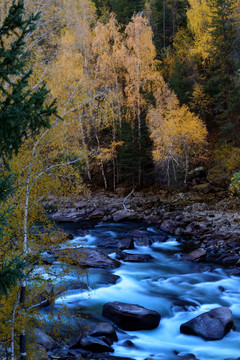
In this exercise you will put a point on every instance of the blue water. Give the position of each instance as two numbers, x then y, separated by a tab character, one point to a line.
178	291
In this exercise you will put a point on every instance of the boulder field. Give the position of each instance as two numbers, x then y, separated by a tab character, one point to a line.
211	226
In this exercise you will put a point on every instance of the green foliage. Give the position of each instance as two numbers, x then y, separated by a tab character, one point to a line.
165	17
6	185
234	187
226	161
222	66
124	9
131	157
177	82
23	111
10	272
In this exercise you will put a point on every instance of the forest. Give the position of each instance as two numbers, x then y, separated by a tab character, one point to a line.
101	94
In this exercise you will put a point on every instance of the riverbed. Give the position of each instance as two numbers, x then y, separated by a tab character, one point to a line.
178	290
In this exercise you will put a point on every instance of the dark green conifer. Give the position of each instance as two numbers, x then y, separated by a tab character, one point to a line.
23	111
222	78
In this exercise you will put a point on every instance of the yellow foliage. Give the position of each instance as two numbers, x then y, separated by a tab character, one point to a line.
225	163
177	133
139	62
199	21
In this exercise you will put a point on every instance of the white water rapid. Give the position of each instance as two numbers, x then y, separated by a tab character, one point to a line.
179	291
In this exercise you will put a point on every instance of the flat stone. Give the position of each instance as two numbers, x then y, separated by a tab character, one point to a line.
93	344
43	339
203	188
87	257
104	329
196	255
130	316
231	260
116	244
211	325
121	255
123	214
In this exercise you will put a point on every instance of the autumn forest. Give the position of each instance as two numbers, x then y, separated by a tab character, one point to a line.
101	94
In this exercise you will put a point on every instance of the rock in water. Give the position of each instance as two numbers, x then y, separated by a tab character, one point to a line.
86	257
121	255
92	344
212	325
43	339
104	329
196	255
131	317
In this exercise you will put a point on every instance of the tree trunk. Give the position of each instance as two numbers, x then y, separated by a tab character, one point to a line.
22	340
114	174
85	150
101	165
186	165
164	24
13	328
138	107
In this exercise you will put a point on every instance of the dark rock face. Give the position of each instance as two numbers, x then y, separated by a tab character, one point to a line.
203	188
131	317
125	244
93	344
87	257
212	325
43	339
121	255
109	357
123	214
140	238
159	238
231	260
196	255
188	357
117	244
104	329
128	344
169	226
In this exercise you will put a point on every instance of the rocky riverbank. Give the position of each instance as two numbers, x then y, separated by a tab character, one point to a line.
204	231
209	226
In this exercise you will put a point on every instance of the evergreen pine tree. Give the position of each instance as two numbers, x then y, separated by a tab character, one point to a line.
23	111
178	83
165	17
222	70
124	9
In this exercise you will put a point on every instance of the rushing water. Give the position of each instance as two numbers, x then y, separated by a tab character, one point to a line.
178	291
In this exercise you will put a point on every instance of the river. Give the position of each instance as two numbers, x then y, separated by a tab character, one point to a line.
178	290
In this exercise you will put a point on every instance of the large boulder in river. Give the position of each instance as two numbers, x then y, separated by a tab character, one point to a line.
211	325
140	238
130	316
87	257
121	255
104	329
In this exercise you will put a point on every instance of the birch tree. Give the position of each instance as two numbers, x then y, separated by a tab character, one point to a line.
178	135
139	62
